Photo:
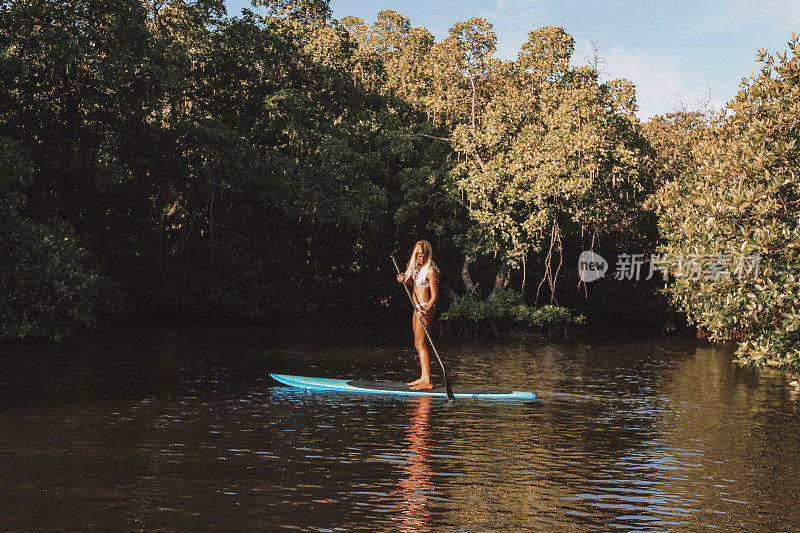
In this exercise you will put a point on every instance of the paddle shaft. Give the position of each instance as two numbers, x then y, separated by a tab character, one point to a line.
428	335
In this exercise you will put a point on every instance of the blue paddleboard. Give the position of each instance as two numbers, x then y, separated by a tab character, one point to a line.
395	387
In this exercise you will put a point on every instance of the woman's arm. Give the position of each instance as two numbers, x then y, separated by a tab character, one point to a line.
433	283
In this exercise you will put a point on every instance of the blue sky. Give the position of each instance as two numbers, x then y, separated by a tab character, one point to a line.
675	52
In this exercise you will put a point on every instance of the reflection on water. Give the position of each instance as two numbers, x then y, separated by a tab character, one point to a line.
416	482
182	429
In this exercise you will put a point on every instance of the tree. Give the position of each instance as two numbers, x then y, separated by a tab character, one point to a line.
306	12
674	137
49	284
217	167
735	216
552	147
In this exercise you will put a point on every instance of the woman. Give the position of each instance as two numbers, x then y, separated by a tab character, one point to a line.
421	272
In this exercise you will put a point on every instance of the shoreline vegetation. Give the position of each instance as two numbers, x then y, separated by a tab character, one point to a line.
175	163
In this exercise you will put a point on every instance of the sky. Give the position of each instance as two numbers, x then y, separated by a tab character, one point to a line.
679	54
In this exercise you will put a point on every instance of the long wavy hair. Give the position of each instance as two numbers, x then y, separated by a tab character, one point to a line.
426	249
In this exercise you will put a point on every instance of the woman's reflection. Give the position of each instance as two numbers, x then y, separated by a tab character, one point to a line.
417	480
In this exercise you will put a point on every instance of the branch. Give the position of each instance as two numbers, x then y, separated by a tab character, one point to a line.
478	159
499	281
174	207
470	286
438	138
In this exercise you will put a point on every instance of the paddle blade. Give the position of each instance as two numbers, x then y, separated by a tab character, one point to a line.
449	389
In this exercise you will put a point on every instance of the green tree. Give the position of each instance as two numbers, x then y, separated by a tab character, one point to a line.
674	137
308	12
49	284
553	148
742	201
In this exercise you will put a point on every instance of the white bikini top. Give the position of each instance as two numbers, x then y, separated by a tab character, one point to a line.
420	276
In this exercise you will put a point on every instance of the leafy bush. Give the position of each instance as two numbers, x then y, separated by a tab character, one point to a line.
49	285
509	308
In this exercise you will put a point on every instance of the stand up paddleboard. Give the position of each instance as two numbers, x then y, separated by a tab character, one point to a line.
396	388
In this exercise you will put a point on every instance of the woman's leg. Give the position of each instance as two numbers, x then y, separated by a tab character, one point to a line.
417	331
421	344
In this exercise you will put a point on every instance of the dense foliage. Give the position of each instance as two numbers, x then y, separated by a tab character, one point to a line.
216	167
49	284
735	203
553	149
166	160
509	315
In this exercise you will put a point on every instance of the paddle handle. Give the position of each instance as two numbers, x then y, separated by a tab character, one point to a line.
447	386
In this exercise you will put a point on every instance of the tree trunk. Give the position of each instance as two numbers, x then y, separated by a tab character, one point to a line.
454	298
500	281
468	284
474	90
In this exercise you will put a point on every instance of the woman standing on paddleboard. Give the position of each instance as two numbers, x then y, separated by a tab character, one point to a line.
421	272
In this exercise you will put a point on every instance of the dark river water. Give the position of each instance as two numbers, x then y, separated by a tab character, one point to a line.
182	429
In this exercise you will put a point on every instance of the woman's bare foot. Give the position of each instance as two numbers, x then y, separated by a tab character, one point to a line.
422	385
415	382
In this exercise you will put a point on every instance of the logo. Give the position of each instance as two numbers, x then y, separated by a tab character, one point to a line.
591	266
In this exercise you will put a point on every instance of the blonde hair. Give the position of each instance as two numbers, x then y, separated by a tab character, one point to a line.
426	248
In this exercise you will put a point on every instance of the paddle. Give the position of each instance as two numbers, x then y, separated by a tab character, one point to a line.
444	372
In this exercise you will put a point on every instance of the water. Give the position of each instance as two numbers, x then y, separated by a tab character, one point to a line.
181	429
